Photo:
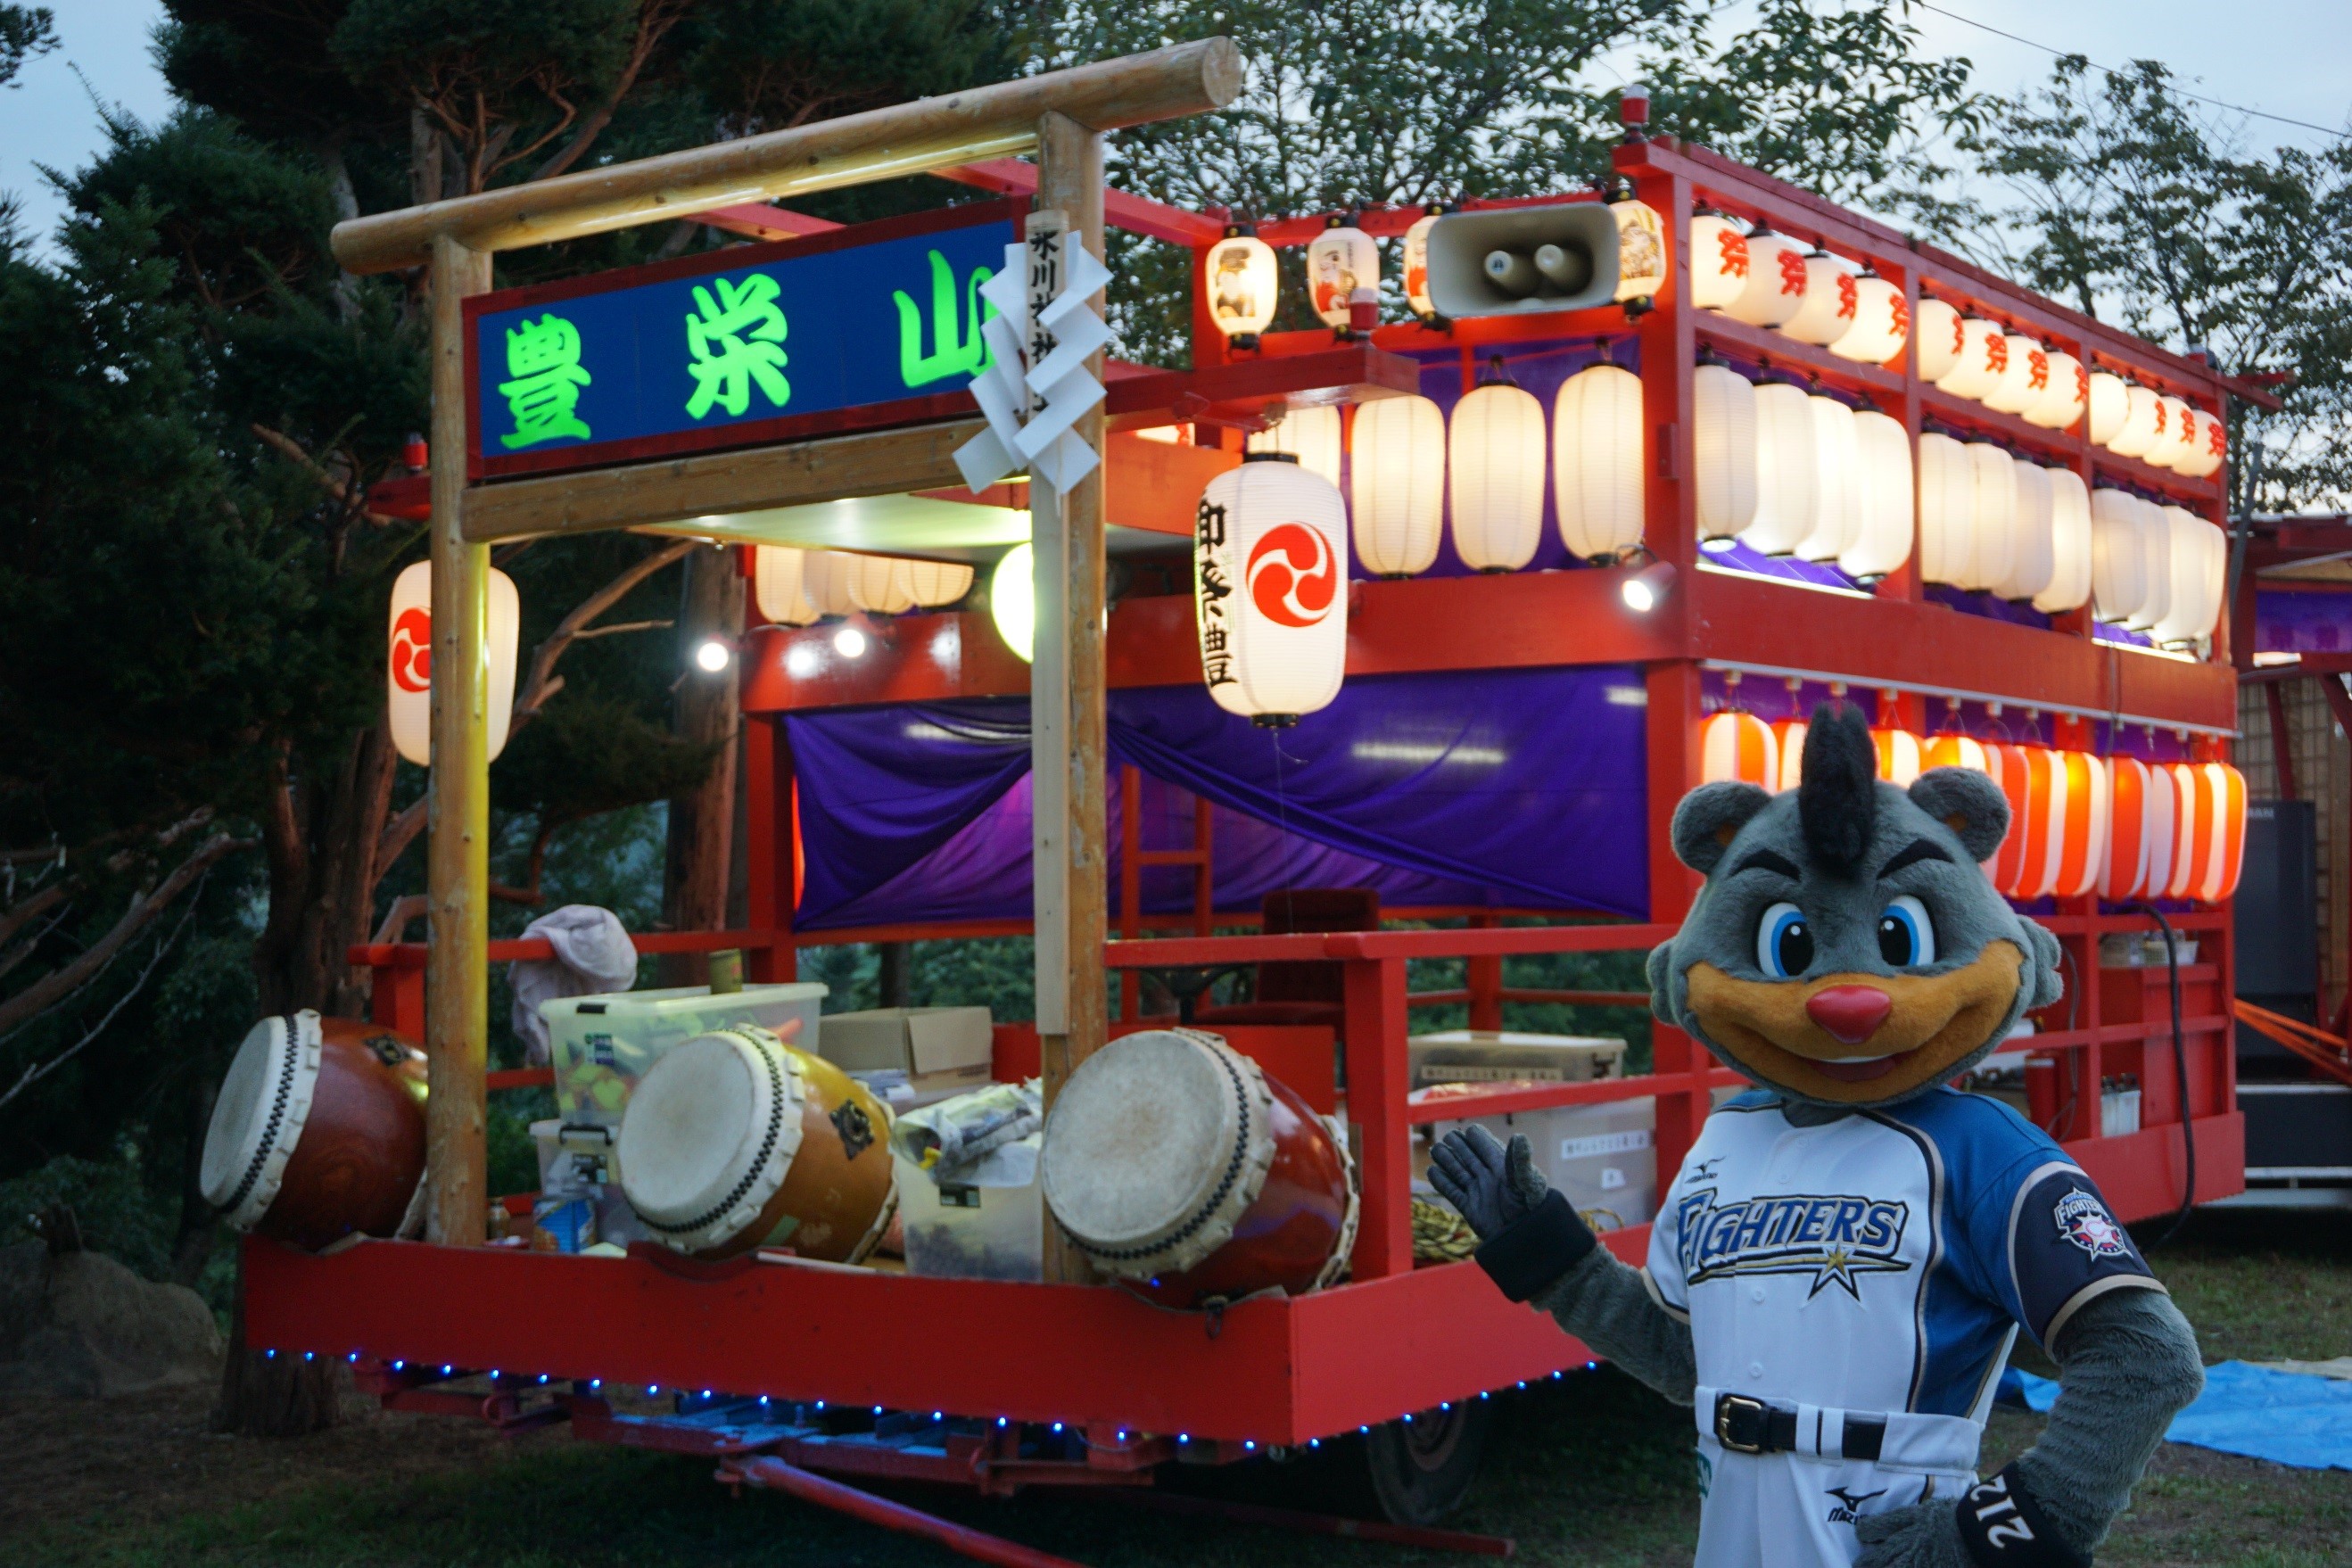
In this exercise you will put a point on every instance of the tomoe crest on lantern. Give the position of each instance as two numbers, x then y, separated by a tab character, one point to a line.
1267	573
408	665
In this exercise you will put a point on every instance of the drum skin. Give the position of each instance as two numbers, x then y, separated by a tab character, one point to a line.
839	1182
1286	1236
362	1148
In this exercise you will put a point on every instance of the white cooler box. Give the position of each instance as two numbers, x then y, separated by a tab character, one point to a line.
989	1225
1604	1158
600	1045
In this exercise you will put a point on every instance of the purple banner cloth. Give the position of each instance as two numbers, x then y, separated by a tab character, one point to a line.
1511	787
2302	621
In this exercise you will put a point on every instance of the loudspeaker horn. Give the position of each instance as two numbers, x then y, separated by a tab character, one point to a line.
1518	261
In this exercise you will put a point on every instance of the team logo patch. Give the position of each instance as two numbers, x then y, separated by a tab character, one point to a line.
1848	1506
1832	1236
2084	1220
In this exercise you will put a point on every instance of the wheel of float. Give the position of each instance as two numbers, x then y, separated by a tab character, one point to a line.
1422	1466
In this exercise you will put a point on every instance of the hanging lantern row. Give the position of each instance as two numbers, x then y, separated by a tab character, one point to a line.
1994	523
2155	569
1770	280
408	663
800	587
2135	421
2078	823
1789	472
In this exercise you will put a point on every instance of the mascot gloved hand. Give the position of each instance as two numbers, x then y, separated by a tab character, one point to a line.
1838	1272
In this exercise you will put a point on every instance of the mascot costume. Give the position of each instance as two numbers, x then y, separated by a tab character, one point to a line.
1840	1268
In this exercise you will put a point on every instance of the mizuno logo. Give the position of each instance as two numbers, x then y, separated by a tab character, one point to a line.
1848	1507
1832	1237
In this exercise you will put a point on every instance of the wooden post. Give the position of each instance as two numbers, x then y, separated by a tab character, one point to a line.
1073	859
457	856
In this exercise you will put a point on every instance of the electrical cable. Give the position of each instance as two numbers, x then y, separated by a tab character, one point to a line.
2180	1073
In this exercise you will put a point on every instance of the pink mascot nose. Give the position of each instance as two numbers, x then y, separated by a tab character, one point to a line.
1849	1013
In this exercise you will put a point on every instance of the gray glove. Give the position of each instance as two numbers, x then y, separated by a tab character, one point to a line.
1491	1186
1925	1535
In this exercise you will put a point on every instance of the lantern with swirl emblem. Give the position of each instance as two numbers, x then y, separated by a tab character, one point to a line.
408	668
1270	589
1718	259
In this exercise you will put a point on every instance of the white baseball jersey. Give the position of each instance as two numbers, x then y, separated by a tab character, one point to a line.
1878	1266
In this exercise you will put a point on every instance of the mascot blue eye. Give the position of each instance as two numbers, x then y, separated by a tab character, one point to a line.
1906	937
1784	941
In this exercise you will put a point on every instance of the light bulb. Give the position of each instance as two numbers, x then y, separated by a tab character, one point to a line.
800	661
1647	589
849	643
712	656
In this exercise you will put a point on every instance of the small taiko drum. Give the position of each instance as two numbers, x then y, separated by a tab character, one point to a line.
1183	1170
734	1139
317	1133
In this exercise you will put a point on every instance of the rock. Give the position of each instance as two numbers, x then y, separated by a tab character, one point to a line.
81	1325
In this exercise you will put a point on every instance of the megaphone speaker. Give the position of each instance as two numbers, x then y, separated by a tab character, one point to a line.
1519	260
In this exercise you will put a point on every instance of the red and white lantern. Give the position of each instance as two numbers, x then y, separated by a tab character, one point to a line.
1941	338
2065	824
1269	580
1719	260
2023	377
2011	770
1775	289
2123	873
1340	260
1788	741
2065	394
1898	756
1733	746
1880	323
1984	355
1831	299
408	665
2217	848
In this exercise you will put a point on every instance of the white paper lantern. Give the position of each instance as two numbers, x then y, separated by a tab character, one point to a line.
1775	289
2199	558
2143	414
1496	470
1416	265
878	584
1995	527
1948	506
1641	245
1880	323
1243	282
1723	432
2070	543
2062	398
1719	260
2118	565
1838	470
1984	351
2023	374
1788	470
1882	539
1311	434
778	584
2175	444
2156	565
1941	337
1827	310
2212	445
2109	398
828	577
1270	590
2033	558
1596	463
1397	484
408	669
935	585
1340	260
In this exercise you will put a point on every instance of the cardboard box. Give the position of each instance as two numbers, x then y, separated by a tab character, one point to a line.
1601	1158
1506	1055
935	1047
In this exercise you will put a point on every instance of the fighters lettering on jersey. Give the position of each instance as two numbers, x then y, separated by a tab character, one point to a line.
2084	1220
1832	1237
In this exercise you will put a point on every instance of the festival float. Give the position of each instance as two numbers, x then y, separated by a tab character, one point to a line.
1424	619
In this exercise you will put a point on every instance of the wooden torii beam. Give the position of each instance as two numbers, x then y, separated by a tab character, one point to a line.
1061	116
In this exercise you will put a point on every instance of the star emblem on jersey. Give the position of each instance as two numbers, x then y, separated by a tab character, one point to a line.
1835	1237
2084	1220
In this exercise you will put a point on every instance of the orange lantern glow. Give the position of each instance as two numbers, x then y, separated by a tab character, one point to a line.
2079	823
2123	874
1788	740
1955	752
2007	765
2219	849
1898	756
1735	745
2181	864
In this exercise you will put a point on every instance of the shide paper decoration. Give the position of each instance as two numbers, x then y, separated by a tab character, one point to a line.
1043	333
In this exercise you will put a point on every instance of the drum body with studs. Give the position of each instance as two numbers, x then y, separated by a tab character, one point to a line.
317	1133
1184	1172
735	1140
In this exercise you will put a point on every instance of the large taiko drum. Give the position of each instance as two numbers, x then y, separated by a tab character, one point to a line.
1184	1172
317	1133
735	1140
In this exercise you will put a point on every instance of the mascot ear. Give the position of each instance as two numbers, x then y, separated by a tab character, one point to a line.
2046	984
1968	803
1710	817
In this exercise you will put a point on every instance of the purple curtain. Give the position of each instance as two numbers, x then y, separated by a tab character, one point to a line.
2302	621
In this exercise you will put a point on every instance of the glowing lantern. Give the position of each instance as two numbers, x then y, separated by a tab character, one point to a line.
1311	434
2023	377
1775	290
1787	467
1398	484
1882	537
1838	464
1941	335
1270	580
826	577
2212	445
2163	804
1898	756
2032	557
1723	431
1596	457
2177	434
2156	565
935	585
2066	391
1641	245
2065	824
1013	601
1955	752
1495	463
1827	311
2011	770
1245	285
1340	260
2109	404
2119	566
1984	354
2217	852
1994	531
1789	745
1719	260
1947	501
2123	872
1735	745
2189	836
2070	543
2143	422
1880	323
408	668
1416	263
878	584
777	574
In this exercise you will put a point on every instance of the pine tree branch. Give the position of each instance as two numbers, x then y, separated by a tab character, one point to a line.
286	445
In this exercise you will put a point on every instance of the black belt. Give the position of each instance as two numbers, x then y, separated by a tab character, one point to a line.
1747	1425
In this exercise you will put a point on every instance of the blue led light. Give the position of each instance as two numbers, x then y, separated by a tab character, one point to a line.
270	1355
763	1399
398	1364
706	1394
1057	1426
1523	1383
1247	1445
310	1356
542	1377
595	1382
820	1405
1364	1429
353	1358
494	1375
938	1415
1122	1433
1591	1365
652	1389
1556	1377
1446	1404
1184	1436
877	1410
1000	1421
1482	1395
446	1370
1313	1442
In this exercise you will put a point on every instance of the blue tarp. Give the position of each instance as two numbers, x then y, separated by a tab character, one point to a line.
2287	1417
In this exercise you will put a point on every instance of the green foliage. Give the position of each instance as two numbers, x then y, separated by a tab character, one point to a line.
26	33
768	66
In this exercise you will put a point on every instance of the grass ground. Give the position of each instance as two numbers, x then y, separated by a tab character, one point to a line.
1588	1470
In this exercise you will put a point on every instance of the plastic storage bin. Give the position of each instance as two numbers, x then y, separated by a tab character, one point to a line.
600	1045
988	1225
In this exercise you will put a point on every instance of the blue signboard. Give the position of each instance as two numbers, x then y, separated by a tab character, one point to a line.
853	328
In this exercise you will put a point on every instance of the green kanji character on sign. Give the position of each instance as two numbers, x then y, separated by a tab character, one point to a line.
543	397
734	340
